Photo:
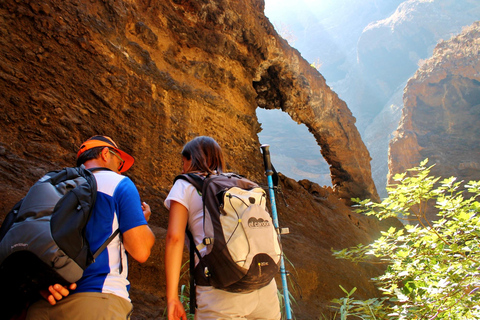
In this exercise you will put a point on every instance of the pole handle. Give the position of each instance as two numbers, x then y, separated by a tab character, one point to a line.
266	159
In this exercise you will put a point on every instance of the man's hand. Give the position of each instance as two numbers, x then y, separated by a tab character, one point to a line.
146	210
57	292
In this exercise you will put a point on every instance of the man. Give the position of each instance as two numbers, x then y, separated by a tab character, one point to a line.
102	292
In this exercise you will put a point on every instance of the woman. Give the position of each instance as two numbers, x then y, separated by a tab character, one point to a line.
203	156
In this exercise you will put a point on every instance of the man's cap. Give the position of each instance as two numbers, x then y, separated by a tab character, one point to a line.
104	141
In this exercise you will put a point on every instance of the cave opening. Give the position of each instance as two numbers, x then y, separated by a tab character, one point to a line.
294	151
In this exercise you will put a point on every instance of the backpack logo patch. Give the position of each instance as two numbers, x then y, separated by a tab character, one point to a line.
258	223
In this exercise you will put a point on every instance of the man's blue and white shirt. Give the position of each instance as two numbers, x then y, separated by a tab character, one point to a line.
118	205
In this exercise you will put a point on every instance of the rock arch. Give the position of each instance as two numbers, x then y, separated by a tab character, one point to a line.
296	88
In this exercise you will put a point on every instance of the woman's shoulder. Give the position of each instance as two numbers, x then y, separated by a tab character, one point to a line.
182	186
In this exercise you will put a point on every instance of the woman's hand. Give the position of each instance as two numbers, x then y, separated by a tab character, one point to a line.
176	310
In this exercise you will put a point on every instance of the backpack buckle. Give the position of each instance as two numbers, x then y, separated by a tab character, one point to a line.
207	272
205	242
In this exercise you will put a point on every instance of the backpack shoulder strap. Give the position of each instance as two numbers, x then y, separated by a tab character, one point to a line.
193	301
10	219
106	243
195	179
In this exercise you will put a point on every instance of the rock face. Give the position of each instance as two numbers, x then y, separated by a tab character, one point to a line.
441	112
390	51
153	75
188	65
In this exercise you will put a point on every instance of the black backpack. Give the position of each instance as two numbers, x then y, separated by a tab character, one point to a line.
243	248
42	239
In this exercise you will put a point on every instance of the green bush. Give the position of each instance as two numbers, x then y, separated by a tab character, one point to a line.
432	267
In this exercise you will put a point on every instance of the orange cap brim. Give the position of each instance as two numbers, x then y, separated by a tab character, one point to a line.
129	160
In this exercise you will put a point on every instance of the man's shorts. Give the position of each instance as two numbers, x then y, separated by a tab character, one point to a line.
81	306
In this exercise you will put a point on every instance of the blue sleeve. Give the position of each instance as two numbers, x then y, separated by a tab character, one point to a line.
129	209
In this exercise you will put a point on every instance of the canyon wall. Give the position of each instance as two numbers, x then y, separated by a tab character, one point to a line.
442	111
153	75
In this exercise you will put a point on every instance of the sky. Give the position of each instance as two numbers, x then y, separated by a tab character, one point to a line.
316	6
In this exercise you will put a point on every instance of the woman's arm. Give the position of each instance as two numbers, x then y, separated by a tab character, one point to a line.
175	241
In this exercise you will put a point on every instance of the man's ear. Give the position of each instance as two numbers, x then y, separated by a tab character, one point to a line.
104	154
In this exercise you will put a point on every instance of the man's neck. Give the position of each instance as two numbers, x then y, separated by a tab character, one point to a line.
94	163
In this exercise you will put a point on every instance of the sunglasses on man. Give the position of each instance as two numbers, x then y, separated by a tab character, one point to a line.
122	162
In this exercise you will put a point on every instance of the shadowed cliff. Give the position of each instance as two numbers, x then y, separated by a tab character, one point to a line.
153	75
441	112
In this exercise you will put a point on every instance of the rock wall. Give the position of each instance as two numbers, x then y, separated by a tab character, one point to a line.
441	112
389	53
153	75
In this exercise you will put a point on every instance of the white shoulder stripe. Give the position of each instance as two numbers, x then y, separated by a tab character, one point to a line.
107	181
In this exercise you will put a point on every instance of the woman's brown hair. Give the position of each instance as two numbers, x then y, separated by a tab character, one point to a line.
206	155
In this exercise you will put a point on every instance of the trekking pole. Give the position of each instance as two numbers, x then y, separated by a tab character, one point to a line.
283	273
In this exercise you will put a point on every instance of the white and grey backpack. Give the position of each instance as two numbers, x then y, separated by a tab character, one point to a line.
242	246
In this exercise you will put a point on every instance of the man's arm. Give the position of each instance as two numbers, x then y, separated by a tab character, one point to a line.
138	242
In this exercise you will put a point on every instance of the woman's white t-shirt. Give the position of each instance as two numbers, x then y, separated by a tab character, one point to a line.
215	303
186	194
